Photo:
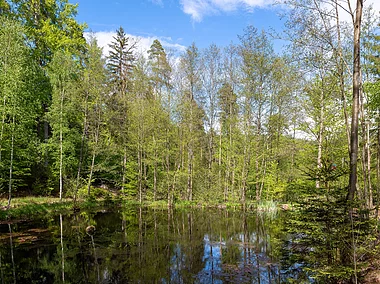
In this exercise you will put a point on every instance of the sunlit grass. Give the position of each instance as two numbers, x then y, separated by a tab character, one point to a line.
27	207
21	201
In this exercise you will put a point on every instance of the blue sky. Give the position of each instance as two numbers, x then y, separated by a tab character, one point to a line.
178	23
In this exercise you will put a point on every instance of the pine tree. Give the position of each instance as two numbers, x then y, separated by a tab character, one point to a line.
120	63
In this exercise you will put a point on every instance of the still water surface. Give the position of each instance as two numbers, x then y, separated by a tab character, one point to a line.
141	245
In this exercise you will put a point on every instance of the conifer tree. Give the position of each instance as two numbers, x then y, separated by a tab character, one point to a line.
120	63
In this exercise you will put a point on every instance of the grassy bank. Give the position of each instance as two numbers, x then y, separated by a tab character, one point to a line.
28	207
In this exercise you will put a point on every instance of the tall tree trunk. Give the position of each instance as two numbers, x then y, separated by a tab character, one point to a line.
94	152
167	162
246	162
46	135
355	103
84	132
155	170
366	157
11	164
370	193
320	132
190	155
2	126
61	149
123	170
190	174
220	167
140	175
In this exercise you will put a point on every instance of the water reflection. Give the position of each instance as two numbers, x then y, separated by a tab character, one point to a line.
139	245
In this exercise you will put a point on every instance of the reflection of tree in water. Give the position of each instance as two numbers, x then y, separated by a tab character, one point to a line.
146	246
231	255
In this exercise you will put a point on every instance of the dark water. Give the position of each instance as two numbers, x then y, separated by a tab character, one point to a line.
140	245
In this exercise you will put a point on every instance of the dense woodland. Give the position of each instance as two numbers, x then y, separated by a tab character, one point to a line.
225	124
233	124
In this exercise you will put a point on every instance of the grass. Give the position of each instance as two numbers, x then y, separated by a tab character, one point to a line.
27	207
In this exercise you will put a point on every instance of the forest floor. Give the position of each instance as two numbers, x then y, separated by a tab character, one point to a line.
372	275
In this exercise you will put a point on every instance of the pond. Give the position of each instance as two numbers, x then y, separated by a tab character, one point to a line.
142	245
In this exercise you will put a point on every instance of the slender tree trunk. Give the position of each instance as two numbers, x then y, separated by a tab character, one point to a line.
155	177
155	171
91	172
320	133
190	174
264	167
140	175
257	162
355	103
370	193
167	162
46	135
2	126
245	169
145	172
11	164
123	170
230	160
61	148
366	157
81	149
190	156
220	167
94	152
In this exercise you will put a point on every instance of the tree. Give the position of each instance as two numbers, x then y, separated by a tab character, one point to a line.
356	89
20	93
160	69
63	116
160	80
120	63
93	87
191	123
211	79
257	55
228	137
50	26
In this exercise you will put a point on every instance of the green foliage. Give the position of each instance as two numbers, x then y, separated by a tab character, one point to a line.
20	94
324	234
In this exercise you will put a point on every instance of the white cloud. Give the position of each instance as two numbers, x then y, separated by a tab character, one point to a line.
157	2
104	38
197	9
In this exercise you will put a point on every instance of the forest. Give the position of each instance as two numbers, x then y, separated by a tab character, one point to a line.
237	123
